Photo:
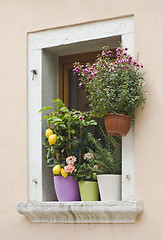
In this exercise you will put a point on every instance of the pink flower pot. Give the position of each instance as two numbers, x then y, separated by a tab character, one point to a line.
66	189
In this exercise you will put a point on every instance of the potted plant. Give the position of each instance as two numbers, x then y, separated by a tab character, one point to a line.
64	143
107	159
114	88
87	178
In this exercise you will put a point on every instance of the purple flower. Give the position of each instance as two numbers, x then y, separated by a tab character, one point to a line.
134	63
118	55
118	49
90	77
81	118
127	68
85	70
95	74
137	65
77	69
126	49
110	52
103	54
141	66
124	53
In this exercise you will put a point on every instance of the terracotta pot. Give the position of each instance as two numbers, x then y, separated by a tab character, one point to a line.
117	124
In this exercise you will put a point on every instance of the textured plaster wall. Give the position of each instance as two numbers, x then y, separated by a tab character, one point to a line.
17	18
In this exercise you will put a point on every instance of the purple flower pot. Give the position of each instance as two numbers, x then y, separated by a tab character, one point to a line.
66	189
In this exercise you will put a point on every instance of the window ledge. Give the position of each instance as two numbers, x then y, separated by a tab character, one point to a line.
81	212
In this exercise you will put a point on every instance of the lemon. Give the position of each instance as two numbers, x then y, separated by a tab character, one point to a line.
57	169
63	173
52	139
48	132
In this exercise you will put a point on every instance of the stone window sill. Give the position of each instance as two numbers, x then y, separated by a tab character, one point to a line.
81	212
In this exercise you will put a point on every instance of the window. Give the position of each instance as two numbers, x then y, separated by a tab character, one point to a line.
69	90
44	50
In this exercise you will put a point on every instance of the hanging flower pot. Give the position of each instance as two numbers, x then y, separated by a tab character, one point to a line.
117	124
113	84
66	189
89	190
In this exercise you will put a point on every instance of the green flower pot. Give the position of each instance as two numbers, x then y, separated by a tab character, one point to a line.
89	190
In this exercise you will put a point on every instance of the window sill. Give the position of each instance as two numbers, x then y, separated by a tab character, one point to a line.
81	212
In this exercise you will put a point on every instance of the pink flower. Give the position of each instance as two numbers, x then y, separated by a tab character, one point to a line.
69	168
80	84
103	54
143	84
88	156
71	160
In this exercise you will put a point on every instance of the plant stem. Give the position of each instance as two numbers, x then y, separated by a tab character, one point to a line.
54	123
69	135
48	124
81	135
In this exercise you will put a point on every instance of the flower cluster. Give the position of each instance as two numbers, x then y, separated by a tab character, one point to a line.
88	156
70	164
114	82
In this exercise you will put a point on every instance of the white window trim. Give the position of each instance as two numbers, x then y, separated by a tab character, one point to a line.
62	37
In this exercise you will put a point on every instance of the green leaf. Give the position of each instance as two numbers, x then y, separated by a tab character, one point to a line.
46	108
72	131
62	125
51	166
64	109
67	115
55	119
59	102
45	117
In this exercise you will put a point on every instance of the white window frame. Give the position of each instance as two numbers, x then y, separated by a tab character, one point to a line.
61	41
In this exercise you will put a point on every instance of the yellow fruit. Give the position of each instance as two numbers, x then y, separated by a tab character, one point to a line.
52	139
48	132
63	173
57	169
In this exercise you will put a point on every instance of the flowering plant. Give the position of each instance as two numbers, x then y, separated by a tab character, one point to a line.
114	85
66	138
69	168
87	168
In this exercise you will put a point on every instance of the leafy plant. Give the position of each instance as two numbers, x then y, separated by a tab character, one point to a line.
68	130
113	85
107	154
86	170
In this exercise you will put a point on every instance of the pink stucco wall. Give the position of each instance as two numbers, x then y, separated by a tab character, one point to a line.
17	18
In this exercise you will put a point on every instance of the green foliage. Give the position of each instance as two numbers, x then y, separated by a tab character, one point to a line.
71	130
107	154
85	170
113	85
